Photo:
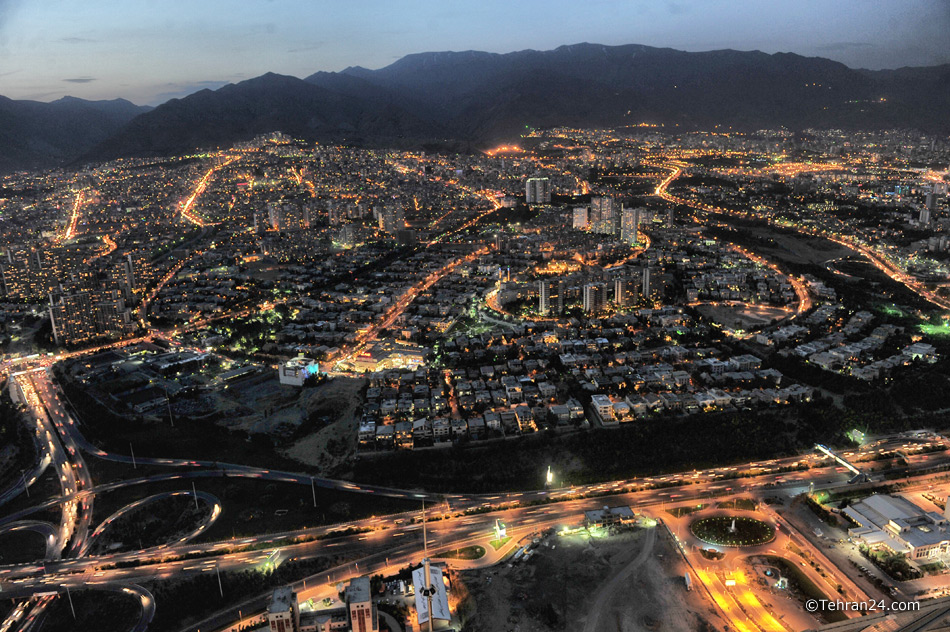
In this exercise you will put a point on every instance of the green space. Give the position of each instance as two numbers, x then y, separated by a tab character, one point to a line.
252	506
712	554
891	310
473	552
941	329
17	450
894	565
718	530
738	503
96	611
497	544
816	502
679	512
643	448
21	547
45	488
800	583
157	522
934	568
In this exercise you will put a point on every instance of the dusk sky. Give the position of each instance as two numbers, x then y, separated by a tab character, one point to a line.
149	52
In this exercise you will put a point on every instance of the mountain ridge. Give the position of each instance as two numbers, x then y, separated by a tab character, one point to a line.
37	135
476	98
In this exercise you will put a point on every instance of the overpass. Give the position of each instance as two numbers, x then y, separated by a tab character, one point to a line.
859	476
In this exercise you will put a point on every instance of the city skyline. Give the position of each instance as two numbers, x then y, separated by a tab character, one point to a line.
149	53
696	345
474	341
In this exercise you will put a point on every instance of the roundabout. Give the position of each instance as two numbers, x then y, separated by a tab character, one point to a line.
734	531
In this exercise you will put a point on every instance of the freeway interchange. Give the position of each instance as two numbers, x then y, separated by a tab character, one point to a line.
373	544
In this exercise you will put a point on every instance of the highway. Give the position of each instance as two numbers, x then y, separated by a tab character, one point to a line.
877	259
70	537
392	537
27	479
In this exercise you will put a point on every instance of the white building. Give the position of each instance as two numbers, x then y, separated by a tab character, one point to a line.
604	217
296	371
594	297
603	408
437	597
896	524
544	297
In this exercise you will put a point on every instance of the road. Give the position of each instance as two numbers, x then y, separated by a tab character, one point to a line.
73	222
877	259
393	313
187	206
70	538
381	541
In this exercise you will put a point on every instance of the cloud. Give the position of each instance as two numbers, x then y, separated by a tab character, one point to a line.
78	40
80	79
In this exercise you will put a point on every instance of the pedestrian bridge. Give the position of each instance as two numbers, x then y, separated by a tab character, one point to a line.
859	476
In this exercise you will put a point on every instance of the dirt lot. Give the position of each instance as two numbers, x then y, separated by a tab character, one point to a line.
333	408
742	316
588	584
315	425
259	404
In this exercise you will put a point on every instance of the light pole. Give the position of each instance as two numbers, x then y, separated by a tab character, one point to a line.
70	597
168	402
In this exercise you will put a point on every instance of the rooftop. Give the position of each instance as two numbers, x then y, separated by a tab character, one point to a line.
283	600
358	590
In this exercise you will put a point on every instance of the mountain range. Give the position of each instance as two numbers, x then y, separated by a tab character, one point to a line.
36	135
471	99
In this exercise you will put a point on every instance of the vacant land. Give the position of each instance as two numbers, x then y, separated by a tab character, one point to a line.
259	404
798	248
577	583
743	316
332	412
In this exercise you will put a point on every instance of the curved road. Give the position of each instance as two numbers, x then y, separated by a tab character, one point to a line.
209	520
